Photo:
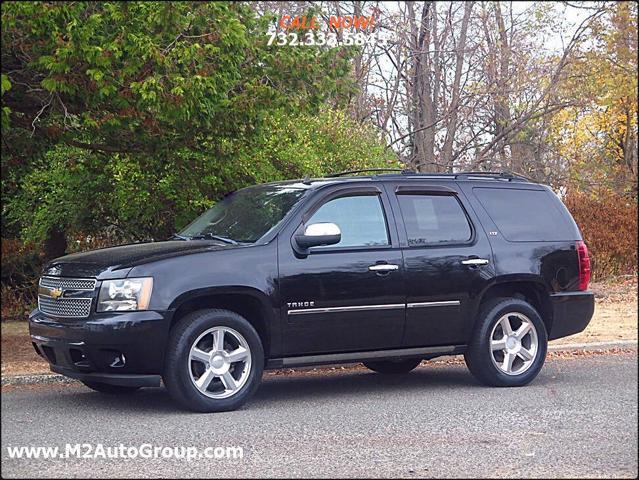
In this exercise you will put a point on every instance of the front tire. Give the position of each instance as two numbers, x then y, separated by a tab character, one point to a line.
509	344
393	366
214	361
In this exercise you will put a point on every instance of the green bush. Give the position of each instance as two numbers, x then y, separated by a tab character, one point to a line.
84	193
138	115
316	145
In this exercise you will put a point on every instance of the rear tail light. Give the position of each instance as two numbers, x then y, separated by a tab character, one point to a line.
584	265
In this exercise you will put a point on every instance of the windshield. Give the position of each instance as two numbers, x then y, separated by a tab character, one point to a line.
246	215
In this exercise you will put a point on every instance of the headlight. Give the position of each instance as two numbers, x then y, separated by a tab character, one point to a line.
126	294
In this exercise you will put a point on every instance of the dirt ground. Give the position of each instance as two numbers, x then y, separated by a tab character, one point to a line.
615	319
18	355
615	313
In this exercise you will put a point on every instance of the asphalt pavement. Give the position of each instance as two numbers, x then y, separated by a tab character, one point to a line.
577	419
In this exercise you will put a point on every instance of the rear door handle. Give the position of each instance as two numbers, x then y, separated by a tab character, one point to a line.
475	261
383	267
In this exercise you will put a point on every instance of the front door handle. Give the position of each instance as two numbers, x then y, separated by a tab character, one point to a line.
383	267
475	261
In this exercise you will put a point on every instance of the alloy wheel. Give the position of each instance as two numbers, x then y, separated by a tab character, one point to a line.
219	362
514	343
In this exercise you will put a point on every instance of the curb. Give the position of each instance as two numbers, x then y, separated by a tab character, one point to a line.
588	347
36	379
54	378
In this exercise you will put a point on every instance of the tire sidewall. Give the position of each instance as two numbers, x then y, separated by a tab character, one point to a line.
178	375
481	353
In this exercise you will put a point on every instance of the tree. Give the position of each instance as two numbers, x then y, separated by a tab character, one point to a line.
137	115
479	86
598	136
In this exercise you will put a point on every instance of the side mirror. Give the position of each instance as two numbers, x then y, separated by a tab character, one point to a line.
317	234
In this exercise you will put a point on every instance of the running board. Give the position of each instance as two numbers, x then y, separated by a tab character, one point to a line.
351	357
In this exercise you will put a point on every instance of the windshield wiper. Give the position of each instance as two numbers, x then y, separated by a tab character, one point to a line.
177	236
211	236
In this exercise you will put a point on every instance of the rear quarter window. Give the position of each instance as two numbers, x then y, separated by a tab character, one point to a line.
434	219
525	215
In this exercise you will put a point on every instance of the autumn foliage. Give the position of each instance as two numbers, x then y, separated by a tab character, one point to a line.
21	262
608	223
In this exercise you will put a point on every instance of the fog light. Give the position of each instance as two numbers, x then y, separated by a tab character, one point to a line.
118	361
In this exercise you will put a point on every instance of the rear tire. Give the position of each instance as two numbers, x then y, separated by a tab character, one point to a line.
393	366
509	344
214	361
110	389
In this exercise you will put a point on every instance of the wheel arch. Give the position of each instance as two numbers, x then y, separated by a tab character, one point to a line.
532	290
248	302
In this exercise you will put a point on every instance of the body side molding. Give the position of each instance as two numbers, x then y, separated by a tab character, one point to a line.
448	303
387	306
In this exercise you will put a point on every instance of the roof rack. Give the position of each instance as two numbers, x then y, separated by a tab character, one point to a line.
350	172
503	175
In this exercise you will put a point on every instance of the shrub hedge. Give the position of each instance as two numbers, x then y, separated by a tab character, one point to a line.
608	223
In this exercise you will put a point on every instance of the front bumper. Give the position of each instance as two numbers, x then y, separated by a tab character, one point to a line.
125	380
572	312
124	348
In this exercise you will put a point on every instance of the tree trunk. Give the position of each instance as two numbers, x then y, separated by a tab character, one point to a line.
422	112
451	128
502	108
360	112
55	245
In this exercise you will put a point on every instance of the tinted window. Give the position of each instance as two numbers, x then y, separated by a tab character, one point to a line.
524	215
246	215
433	219
361	220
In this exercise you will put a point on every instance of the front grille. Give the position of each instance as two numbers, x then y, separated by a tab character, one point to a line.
76	305
65	307
68	283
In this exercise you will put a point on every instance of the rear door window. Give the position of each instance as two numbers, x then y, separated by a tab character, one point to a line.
524	215
434	219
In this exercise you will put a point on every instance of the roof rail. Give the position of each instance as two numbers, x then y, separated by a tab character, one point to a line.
349	172
503	175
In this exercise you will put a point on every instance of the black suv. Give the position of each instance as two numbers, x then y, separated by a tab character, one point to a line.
385	269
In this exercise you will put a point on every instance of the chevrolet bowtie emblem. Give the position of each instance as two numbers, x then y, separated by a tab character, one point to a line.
56	292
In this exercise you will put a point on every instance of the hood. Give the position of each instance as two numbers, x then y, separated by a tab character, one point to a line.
121	259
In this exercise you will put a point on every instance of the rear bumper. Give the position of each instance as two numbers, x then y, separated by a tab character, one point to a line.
572	312
124	348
